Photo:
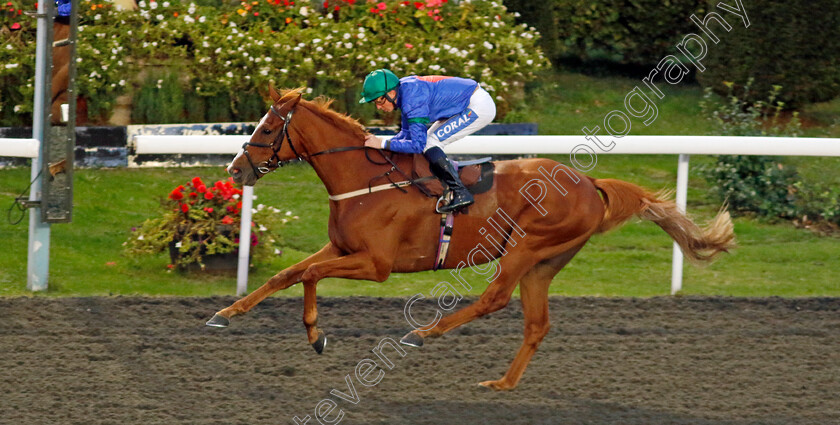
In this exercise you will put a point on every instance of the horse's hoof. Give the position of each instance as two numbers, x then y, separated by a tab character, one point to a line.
499	385
412	339
321	343
218	321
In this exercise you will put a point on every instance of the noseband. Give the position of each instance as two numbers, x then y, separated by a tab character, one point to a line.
266	166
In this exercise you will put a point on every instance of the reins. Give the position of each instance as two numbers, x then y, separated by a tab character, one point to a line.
265	167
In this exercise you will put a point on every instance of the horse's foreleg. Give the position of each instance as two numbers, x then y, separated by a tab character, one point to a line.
282	280
356	266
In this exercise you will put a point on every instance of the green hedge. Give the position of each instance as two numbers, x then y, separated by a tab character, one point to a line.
234	50
635	32
794	43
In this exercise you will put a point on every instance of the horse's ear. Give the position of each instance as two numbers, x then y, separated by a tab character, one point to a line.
273	93
294	100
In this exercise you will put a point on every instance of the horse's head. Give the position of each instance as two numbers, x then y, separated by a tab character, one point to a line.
270	145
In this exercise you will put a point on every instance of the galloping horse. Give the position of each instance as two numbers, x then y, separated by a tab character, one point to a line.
375	234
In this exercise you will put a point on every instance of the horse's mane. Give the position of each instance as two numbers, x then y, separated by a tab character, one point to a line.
321	106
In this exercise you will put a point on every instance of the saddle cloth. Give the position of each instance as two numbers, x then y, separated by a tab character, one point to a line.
476	175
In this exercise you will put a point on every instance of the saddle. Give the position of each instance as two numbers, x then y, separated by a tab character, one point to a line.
477	175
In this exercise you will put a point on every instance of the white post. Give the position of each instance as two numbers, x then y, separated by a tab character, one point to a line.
682	197
244	240
38	258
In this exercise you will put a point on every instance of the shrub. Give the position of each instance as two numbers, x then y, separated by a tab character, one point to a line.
764	185
237	49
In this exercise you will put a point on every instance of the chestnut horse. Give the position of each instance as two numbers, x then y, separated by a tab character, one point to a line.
544	213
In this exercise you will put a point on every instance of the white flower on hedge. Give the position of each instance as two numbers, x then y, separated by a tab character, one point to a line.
420	60
328	56
471	63
267	58
159	17
142	4
394	56
122	82
529	62
201	19
284	70
264	71
320	72
361	35
17	108
97	17
11	65
304	11
346	35
434	67
229	74
191	10
153	5
316	41
348	45
166	4
373	63
488	46
319	49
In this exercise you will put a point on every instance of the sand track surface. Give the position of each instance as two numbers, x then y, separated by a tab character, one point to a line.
134	360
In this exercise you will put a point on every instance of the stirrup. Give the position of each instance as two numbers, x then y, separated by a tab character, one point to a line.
443	201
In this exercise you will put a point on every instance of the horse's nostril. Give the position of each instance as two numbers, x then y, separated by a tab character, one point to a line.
235	171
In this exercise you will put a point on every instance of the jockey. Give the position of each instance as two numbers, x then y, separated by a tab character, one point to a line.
455	108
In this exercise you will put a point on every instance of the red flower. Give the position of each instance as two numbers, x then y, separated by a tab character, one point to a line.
208	195
326	4
185	208
196	181
208	210
201	188
409	46
176	195
419	4
382	6
227	220
193	195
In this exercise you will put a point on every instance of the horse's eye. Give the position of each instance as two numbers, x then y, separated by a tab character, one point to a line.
266	131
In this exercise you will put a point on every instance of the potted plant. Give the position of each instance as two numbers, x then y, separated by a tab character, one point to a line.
199	227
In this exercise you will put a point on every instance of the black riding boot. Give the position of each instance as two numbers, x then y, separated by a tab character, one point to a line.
445	172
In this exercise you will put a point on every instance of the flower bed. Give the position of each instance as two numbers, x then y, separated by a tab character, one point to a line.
198	221
236	49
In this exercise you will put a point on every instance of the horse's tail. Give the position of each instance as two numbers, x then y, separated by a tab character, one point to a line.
624	200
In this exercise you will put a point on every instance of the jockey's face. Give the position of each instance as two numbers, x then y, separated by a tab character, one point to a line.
383	104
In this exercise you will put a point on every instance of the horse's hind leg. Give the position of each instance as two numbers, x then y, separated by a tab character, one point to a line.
282	280
494	298
533	289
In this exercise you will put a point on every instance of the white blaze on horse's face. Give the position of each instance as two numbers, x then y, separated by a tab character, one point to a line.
242	151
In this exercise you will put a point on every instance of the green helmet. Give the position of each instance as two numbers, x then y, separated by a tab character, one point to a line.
377	84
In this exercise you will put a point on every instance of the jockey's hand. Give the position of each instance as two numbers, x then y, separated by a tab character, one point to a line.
372	141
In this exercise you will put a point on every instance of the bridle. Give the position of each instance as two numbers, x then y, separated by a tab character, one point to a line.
265	167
